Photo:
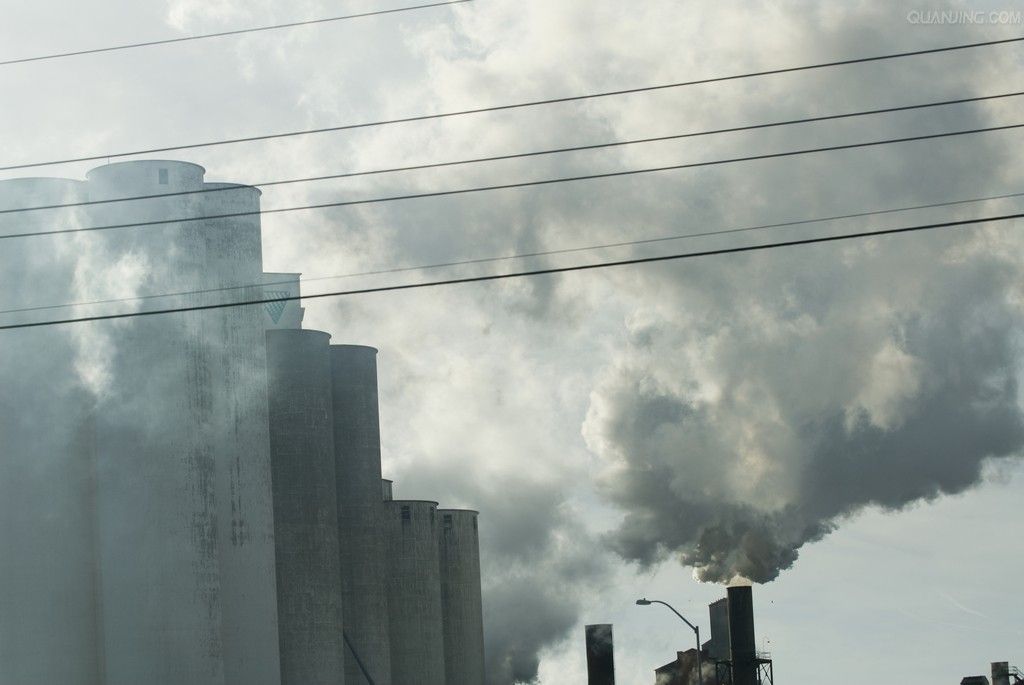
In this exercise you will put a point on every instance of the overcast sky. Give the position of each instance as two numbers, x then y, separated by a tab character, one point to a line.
841	420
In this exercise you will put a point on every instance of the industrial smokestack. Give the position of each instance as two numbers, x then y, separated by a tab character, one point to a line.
742	650
1000	673
600	655
309	605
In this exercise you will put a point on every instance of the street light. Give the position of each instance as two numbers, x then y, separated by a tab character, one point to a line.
647	602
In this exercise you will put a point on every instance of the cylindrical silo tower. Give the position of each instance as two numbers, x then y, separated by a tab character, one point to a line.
184	488
414	593
309	608
461	603
48	630
235	344
361	532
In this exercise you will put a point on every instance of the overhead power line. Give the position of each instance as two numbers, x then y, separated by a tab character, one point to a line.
223	34
505	186
524	274
521	155
521	255
498	108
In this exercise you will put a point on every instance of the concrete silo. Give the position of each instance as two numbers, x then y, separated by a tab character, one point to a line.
48	631
414	593
232	249
387	489
461	603
361	532
309	605
186	543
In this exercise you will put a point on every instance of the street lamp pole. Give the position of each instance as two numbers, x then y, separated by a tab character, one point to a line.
700	670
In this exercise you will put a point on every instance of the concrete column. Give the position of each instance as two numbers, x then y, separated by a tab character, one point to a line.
461	602
414	593
184	491
361	533
305	508
48	618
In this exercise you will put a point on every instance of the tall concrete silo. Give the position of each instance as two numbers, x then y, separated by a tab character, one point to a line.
48	630
309	608
414	593
387	489
233	250
461	604
361	531
186	543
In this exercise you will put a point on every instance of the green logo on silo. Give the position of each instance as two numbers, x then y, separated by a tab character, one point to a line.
276	309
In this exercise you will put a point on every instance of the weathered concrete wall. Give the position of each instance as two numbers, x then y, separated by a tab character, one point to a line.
461	603
236	343
47	581
305	508
184	491
414	593
360	512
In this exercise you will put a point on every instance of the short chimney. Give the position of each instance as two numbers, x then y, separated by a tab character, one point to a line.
1000	673
600	655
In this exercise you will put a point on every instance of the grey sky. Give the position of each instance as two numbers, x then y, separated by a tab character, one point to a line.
543	403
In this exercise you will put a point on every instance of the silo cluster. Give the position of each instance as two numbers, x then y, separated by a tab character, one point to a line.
408	572
157	463
198	496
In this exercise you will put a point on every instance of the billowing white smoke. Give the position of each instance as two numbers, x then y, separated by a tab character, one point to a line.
46	513
739	429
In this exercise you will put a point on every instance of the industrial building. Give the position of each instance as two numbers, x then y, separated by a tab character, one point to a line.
730	657
1002	674
225	508
682	671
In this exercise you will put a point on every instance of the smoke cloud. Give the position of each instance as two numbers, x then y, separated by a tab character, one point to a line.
46	534
738	408
735	453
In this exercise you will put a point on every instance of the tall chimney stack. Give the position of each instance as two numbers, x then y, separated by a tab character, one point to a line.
600	655
741	635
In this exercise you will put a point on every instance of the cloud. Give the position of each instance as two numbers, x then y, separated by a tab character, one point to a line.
735	440
739	407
